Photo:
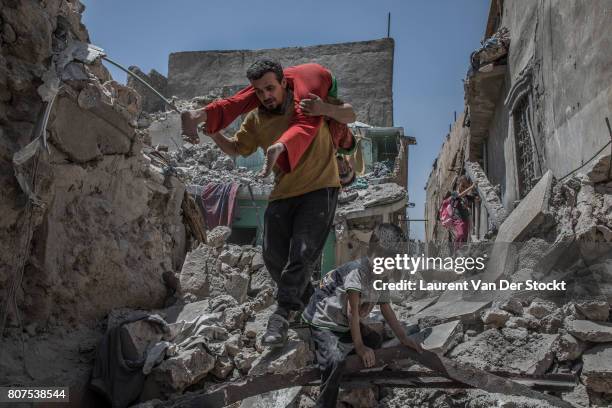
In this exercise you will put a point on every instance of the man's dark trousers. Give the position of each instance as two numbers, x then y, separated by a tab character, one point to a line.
295	230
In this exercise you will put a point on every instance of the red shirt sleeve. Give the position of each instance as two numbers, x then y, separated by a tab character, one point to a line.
219	114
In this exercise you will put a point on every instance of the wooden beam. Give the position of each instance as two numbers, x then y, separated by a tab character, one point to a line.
459	372
486	191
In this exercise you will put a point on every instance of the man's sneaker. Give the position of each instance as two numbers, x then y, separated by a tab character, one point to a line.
276	333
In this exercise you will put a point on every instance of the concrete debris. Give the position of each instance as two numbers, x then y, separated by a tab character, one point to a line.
140	337
372	196
274	399
512	305
205	163
187	368
597	332
568	348
223	367
218	236
244	360
487	192
441	338
512	350
260	280
540	308
597	368
597	310
495	318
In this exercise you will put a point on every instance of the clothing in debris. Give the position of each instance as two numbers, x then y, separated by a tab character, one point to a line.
328	307
317	168
117	373
295	230
331	351
302	129
218	201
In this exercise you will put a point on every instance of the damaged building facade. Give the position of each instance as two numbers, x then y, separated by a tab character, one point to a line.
535	139
537	95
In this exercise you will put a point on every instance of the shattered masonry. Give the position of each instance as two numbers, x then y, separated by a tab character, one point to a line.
96	223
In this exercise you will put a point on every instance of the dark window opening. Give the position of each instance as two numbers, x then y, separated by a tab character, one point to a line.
242	236
524	149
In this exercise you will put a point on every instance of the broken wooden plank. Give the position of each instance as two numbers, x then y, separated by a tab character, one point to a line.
486	191
460	372
194	218
423	379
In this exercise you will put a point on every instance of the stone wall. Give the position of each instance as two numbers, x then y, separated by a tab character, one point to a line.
364	71
446	169
572	86
91	225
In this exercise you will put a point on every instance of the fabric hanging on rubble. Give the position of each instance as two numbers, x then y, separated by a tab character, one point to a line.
219	203
115	375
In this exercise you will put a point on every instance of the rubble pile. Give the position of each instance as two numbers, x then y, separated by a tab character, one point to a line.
88	225
223	299
206	163
536	332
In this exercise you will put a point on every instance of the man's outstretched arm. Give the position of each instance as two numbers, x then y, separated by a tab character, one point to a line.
227	145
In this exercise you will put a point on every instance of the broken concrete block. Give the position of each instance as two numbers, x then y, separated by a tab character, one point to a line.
257	261
597	310
217	237
512	350
198	269
256	326
597	368
233	318
552	322
512	305
246	259
260	280
495	318
529	213
540	308
464	310
441	338
527	322
137	337
567	347
590	331
223	367
222	302
296	354
274	399
187	368
233	345
231	255
237	285
244	360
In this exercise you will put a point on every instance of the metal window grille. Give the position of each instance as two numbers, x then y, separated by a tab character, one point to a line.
524	149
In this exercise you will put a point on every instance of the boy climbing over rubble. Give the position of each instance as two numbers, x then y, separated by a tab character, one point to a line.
346	295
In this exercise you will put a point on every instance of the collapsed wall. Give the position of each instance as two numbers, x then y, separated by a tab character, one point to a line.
364	71
101	227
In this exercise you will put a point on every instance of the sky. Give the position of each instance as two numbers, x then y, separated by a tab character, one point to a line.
433	40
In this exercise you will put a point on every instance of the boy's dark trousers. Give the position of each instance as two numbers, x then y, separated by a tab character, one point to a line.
295	230
331	351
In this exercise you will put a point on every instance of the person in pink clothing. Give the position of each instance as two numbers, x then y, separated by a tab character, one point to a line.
455	213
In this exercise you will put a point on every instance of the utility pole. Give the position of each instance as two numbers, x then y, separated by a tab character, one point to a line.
388	24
